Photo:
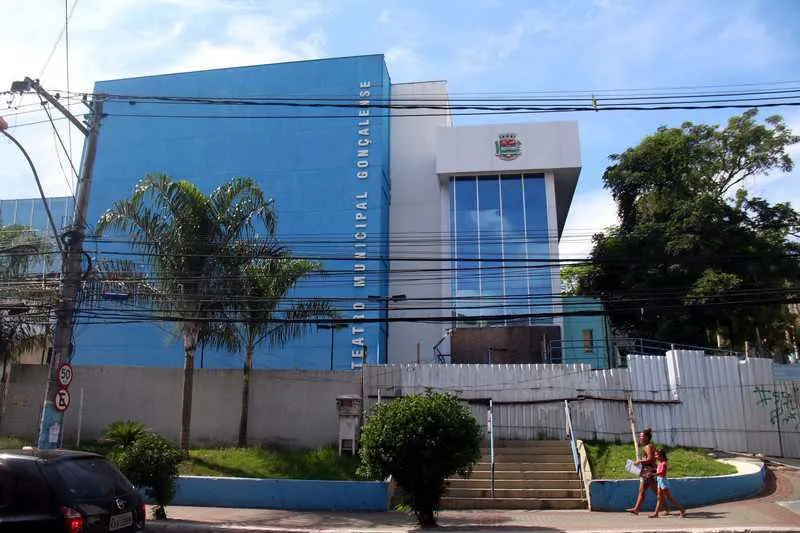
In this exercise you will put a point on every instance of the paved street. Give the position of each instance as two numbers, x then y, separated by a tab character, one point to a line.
765	513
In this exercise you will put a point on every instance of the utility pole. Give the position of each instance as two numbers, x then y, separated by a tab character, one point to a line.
52	422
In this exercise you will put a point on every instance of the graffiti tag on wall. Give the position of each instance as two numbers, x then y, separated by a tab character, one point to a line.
784	406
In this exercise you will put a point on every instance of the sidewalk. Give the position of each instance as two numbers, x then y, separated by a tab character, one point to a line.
758	514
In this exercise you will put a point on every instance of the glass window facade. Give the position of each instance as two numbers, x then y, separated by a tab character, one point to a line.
498	226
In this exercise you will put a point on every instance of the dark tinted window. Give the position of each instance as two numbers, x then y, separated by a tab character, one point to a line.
31	491
92	478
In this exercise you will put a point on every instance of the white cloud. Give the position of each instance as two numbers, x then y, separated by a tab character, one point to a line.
489	48
405	63
121	38
590	213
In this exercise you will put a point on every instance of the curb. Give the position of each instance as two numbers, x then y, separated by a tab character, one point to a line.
732	529
198	527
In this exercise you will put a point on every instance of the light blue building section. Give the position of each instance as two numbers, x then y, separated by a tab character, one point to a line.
30	212
586	338
311	161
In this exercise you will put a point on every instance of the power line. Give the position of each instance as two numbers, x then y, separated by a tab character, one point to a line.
64	148
58	39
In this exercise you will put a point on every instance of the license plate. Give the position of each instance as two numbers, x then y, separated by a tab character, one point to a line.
120	521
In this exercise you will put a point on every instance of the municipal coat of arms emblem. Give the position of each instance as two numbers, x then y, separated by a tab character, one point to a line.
507	147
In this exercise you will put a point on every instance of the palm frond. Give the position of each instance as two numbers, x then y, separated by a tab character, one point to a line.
297	321
22	333
23	248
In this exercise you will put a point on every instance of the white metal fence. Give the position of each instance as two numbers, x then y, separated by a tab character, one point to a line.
687	397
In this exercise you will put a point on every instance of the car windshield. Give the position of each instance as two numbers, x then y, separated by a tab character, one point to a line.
92	478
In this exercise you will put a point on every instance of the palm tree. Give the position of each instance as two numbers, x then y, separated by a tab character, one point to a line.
25	302
21	248
264	315
194	245
21	331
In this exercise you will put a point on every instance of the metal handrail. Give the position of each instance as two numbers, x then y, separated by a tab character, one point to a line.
490	428
573	443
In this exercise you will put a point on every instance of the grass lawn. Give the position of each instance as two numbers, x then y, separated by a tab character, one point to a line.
608	461
323	463
12	443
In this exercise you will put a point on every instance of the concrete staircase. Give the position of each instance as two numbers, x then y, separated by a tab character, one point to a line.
528	475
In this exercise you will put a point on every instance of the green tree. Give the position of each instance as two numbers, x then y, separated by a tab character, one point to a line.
264	315
195	245
151	462
694	255
420	441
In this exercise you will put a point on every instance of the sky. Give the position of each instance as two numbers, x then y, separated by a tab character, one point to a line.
484	46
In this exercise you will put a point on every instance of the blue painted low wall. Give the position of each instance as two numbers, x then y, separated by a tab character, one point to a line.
620	494
291	494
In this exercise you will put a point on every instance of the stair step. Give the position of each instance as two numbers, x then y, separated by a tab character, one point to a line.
568	484
538	444
566	466
512	503
544	474
531	494
528	457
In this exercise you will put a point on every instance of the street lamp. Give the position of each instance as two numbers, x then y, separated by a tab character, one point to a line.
386	300
333	327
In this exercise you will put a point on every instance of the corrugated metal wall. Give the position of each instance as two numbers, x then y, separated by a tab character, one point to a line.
687	397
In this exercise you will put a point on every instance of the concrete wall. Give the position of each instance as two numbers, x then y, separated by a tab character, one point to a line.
420	223
619	494
295	408
292	494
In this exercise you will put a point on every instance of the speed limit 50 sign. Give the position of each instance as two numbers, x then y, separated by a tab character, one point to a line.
65	374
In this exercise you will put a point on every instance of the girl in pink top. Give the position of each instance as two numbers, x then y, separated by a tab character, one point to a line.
663	485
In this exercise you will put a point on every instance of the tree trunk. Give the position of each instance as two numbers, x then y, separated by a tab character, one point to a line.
189	347
246	371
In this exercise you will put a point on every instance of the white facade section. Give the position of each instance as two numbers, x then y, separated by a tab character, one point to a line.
545	147
553	238
419	226
470	149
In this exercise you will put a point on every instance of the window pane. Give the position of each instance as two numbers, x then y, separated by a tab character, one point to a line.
538	246
92	478
466	220
491	249
588	340
515	271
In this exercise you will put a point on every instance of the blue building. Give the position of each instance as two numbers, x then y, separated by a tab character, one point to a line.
431	230
310	161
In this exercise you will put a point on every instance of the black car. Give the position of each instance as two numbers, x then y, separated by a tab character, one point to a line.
66	491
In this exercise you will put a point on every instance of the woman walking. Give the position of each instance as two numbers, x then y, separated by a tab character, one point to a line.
663	485
647	475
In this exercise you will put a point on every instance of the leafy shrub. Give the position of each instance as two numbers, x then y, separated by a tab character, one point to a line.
151	462
123	433
420	441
